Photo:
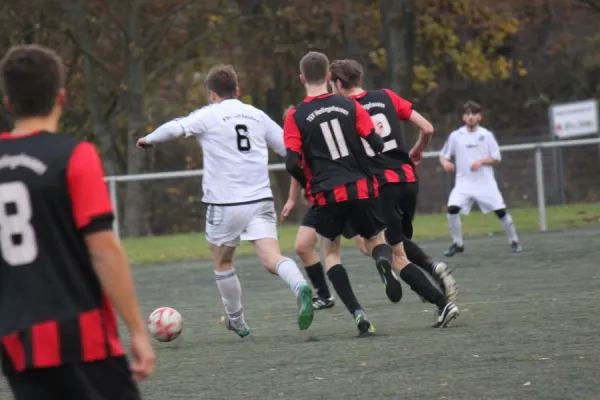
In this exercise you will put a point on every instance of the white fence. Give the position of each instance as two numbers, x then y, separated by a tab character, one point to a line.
535	147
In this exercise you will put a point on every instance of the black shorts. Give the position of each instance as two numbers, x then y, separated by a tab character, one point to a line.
363	215
100	380
398	204
310	218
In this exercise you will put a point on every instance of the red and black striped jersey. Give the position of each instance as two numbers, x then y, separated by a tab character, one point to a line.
326	131
52	307
386	108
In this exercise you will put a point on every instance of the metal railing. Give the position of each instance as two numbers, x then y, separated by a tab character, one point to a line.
535	147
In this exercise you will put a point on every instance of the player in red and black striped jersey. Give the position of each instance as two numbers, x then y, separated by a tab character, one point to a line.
62	267
395	170
325	154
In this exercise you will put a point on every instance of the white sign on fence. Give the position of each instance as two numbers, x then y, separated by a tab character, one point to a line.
574	119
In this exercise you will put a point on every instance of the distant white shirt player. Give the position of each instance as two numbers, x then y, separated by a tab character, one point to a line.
475	152
235	139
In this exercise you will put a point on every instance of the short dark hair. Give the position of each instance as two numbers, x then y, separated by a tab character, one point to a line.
471	107
31	77
348	72
314	66
222	80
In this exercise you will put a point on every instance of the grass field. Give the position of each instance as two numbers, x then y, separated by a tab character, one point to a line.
157	249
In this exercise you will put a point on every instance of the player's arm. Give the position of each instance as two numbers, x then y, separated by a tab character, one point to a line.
191	125
274	136
447	153
405	112
494	157
293	143
92	212
366	129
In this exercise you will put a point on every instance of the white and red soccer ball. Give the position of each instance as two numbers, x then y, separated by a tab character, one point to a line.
165	324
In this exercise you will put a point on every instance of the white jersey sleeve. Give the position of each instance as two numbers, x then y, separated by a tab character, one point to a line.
274	135
195	123
449	149
493	148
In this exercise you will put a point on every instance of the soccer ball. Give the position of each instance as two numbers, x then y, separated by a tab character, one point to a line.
165	324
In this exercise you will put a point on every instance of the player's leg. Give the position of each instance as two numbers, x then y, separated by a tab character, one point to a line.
367	222
224	226
459	201
306	239
330	225
414	276
261	230
491	199
350	233
407	194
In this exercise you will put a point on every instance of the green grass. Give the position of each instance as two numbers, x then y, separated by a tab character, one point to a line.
156	249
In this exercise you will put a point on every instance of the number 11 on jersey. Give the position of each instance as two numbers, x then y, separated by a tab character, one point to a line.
332	129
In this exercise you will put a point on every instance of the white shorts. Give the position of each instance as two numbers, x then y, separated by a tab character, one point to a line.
227	225
487	199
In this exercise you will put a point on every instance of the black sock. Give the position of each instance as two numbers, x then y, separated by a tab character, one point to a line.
316	274
417	256
382	251
418	282
339	279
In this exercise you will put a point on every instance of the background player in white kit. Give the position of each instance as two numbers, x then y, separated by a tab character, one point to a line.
235	138
475	152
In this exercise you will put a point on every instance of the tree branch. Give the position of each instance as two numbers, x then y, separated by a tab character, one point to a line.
166	62
592	4
89	54
162	26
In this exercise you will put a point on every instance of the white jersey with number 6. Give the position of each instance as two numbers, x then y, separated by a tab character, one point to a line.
235	139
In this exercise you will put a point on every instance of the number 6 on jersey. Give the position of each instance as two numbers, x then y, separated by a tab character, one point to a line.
17	236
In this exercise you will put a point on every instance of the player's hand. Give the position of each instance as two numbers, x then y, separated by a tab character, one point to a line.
416	156
448	166
287	208
476	165
142	365
143	144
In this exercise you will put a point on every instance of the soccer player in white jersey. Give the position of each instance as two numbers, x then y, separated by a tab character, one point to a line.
475	152
235	138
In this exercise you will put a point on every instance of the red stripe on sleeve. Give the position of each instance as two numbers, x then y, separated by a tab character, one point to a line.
85	182
340	193
93	343
403	107
14	349
364	123
391	176
292	138
362	188
409	172
110	321
45	343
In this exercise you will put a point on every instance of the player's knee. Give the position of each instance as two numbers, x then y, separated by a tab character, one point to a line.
501	213
360	243
453	210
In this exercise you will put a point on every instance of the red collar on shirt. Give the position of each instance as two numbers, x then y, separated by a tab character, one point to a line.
10	135
321	96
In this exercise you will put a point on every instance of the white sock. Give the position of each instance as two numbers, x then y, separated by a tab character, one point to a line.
231	294
455	228
290	273
509	228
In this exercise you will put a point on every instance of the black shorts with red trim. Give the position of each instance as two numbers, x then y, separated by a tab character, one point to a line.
399	205
108	379
363	215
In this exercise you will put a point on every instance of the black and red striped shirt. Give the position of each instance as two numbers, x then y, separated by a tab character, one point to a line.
326	131
387	109
52	307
